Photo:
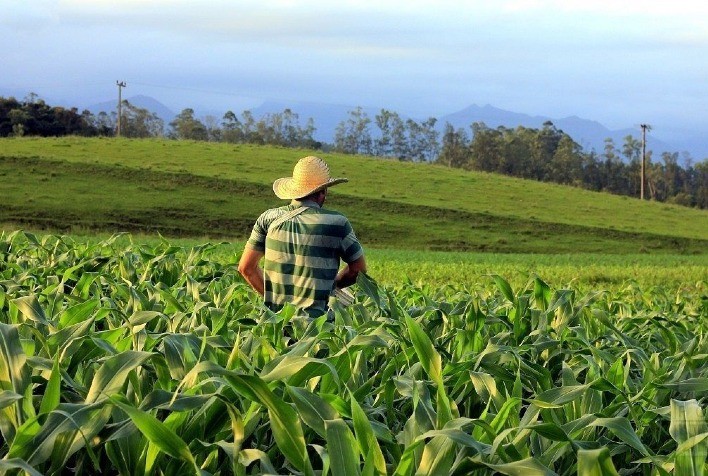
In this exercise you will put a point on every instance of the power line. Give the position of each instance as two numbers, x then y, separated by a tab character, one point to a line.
152	85
182	88
55	85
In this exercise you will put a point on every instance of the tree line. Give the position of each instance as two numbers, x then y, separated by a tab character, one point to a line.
546	154
550	155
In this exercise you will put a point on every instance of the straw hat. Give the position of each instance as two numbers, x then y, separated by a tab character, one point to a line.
310	175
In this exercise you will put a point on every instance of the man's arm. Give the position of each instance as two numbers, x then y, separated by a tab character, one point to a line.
249	269
347	276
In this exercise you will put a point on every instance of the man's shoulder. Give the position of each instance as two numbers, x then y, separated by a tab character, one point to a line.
273	213
329	211
332	216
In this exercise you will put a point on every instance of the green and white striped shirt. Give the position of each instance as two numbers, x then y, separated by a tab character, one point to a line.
302	255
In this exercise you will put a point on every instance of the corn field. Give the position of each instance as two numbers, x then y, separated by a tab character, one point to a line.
160	360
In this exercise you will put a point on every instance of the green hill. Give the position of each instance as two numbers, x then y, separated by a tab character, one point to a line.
205	189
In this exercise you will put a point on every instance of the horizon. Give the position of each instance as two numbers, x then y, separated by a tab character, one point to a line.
325	123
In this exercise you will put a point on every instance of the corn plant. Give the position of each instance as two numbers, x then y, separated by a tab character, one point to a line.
136	359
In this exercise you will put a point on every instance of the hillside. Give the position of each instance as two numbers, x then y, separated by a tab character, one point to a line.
207	189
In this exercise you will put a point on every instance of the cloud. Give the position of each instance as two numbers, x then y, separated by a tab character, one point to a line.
414	54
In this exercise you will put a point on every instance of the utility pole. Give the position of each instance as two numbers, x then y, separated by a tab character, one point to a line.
120	84
644	157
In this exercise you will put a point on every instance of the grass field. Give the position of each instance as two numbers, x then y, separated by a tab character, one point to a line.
216	190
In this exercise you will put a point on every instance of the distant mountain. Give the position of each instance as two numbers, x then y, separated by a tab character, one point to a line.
589	134
145	102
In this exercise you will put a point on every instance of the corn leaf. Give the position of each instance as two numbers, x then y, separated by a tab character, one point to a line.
438	457
524	467
342	448
113	374
8	465
596	462
312	408
156	431
284	422
8	397
622	428
78	313
52	393
504	287
687	423
29	306
559	396
367	439
14	378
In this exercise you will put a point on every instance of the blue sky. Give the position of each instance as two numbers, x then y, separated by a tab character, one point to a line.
621	63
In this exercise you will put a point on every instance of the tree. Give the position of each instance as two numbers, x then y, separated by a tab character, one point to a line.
34	117
68	121
515	150
290	129
307	136
455	150
592	171
343	141
6	122
399	142
185	126
231	128
267	130
674	175
248	127
631	148
431	146
484	147
352	136
416	140
701	184
104	123
212	128
18	117
138	122
612	167
544	149
383	145
565	164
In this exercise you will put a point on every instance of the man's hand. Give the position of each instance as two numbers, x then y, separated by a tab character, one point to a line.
249	269
347	276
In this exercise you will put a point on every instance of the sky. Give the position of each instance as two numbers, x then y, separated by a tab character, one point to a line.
619	62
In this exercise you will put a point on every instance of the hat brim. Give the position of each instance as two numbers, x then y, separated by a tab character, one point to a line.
286	189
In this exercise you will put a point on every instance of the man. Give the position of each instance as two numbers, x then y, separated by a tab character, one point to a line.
302	244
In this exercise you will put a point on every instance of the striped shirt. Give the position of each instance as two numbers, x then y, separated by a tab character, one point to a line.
302	255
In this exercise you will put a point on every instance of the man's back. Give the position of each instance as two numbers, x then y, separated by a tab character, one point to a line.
302	244
302	254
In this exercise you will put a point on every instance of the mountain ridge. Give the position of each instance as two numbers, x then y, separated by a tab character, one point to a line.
589	134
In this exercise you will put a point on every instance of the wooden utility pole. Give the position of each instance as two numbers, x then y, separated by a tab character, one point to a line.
121	84
644	158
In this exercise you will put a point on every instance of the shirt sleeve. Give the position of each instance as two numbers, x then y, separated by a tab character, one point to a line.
257	239
351	249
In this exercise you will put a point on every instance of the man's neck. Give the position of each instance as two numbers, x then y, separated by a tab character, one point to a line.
306	203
